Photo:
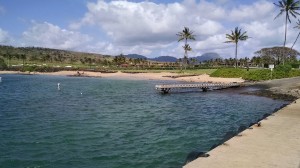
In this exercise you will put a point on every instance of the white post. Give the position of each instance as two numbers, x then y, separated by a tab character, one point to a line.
271	66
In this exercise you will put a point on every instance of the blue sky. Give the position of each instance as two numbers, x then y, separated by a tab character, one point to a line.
141	27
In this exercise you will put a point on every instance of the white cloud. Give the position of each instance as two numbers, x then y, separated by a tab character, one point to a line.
213	42
4	37
260	10
52	36
149	28
141	27
146	22
131	23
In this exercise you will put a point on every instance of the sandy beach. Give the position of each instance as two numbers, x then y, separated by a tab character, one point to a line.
138	76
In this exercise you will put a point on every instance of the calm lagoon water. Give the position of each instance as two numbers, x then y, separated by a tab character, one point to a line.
113	123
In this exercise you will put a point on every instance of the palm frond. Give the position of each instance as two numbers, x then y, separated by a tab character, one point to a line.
236	35
186	34
187	47
281	12
298	24
277	5
288	6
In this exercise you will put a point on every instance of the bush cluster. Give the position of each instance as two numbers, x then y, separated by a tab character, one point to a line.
228	73
281	71
3	66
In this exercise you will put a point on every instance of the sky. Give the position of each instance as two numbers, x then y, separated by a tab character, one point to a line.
146	27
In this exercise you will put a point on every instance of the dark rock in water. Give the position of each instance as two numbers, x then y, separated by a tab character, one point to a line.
283	106
266	115
228	135
260	119
194	155
270	94
251	124
214	146
242	128
275	110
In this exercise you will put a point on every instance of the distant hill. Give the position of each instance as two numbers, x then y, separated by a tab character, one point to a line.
202	58
135	56
165	59
39	54
208	56
159	59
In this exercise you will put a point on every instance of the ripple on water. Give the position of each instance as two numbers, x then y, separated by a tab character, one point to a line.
114	123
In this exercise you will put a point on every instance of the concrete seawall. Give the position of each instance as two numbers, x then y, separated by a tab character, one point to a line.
275	144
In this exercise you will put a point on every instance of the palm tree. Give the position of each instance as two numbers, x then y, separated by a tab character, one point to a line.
297	27
289	7
235	37
186	35
23	57
187	47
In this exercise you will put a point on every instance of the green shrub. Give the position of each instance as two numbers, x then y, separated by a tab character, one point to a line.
228	73
29	68
295	65
2	64
282	71
294	73
256	75
285	68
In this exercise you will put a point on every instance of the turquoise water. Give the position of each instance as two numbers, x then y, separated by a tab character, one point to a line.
113	123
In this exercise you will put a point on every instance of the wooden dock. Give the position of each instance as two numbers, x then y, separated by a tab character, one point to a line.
204	86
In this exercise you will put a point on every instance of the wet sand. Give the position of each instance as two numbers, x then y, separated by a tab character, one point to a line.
276	144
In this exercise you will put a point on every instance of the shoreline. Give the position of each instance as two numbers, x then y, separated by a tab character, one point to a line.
285	89
274	143
136	76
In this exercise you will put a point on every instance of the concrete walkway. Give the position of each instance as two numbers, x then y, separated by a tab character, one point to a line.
276	144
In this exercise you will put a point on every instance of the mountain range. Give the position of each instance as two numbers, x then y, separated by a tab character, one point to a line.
203	57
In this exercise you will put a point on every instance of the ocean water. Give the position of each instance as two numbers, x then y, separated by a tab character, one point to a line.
108	123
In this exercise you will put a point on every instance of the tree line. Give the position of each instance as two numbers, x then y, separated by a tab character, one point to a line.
287	7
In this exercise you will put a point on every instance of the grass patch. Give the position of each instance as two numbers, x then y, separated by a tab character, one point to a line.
282	71
228	73
187	72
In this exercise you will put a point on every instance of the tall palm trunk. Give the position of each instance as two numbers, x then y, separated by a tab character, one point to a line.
185	56
185	59
286	19
296	40
236	46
